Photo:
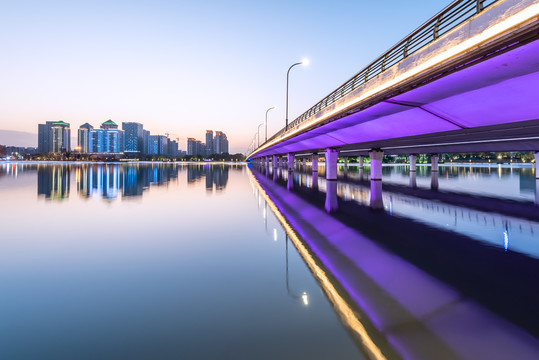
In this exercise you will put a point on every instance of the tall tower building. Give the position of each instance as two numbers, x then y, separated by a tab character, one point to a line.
209	142
85	139
133	137
220	142
113	141
61	137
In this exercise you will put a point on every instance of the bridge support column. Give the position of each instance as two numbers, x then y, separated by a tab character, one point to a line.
274	161
280	161
377	201
315	163
315	180
266	161
413	182
434	172
360	160
304	163
434	162
290	161
345	165
331	204
413	159
536	178
331	164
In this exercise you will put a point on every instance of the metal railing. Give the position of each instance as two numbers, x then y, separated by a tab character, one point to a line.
446	20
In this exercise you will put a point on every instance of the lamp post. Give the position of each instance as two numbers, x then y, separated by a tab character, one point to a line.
303	62
258	133
266	132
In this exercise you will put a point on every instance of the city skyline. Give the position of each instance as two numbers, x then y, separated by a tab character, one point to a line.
143	62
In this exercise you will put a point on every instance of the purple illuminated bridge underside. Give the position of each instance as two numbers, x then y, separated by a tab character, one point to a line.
468	91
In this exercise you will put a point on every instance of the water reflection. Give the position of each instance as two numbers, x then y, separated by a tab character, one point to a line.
414	289
113	180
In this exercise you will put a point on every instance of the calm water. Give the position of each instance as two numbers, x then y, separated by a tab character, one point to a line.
155	261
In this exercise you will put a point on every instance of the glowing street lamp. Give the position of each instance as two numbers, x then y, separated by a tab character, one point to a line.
258	133
273	107
303	62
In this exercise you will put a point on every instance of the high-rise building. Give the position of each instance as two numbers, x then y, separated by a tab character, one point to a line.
61	137
153	145
209	142
113	141
220	143
191	146
133	137
85	139
54	136
98	141
162	145
145	142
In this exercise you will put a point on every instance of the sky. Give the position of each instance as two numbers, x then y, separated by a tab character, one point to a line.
182	67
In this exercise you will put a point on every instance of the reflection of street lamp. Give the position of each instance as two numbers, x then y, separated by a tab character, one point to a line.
266	132
304	297
303	62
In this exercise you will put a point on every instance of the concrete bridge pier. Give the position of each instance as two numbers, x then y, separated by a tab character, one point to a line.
345	165
377	202
413	159
413	182
304	163
280	162
266	161
360	160
331	163
434	172
290	161
274	161
331	196
536	178
315	163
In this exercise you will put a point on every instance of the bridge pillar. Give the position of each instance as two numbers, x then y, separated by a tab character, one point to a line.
331	204
376	202
536	178
315	180
331	163
304	163
434	162
274	161
290	161
345	165
376	164
266	161
413	159
360	160
315	163
280	161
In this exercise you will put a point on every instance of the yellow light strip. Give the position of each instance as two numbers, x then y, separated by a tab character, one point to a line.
515	20
343	309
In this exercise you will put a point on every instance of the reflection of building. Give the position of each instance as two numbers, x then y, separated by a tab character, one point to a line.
53	181
215	175
54	136
109	181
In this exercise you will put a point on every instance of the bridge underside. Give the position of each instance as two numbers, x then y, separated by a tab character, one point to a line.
490	106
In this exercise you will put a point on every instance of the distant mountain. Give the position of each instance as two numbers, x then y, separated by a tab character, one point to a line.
18	138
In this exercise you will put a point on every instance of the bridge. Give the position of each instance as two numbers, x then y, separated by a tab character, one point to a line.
465	81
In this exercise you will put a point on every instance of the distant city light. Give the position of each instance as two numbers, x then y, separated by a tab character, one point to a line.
305	299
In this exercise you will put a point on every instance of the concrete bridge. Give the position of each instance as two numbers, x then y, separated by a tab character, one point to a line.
465	81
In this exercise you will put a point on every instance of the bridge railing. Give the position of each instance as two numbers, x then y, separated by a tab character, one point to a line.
446	20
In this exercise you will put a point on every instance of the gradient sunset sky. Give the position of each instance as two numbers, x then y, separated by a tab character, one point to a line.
186	66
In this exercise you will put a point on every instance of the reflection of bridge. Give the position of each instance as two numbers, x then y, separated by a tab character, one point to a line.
428	311
463	82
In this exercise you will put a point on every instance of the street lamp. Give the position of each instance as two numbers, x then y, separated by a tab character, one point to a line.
303	62
258	132
273	107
